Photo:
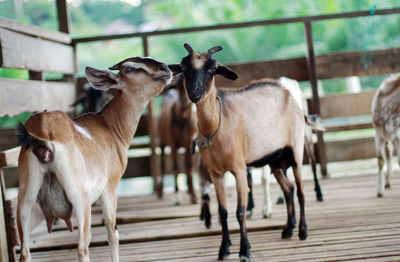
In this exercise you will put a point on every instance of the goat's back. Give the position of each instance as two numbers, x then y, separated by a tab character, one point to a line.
270	117
386	105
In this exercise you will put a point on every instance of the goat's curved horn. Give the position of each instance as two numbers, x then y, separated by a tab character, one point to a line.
188	48
214	49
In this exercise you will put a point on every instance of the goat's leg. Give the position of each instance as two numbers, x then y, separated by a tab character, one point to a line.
241	188
189	174
380	151
250	203
389	161
205	182
313	163
109	206
159	182
301	197
267	207
29	185
219	185
288	191
83	218
174	155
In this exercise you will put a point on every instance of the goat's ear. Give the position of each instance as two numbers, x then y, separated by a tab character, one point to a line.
226	72
175	68
101	79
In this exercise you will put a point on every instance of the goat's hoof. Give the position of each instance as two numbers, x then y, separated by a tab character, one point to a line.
249	213
266	214
280	201
224	251
387	186
303	234
287	233
177	203
244	259
320	198
379	195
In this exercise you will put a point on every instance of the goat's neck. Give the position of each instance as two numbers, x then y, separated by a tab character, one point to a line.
122	116
208	113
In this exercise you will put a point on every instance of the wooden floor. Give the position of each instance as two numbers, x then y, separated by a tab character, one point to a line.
351	224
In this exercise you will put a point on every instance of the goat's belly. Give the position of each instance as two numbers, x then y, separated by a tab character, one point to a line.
52	199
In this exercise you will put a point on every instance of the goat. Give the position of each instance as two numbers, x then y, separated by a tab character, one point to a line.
68	164
177	128
253	126
386	120
311	124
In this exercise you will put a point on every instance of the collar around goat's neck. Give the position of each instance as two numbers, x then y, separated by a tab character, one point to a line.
207	141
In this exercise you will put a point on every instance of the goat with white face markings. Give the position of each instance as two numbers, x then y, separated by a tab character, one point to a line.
386	120
254	126
68	164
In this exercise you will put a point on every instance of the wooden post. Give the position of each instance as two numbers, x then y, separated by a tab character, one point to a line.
312	74
151	127
63	16
3	232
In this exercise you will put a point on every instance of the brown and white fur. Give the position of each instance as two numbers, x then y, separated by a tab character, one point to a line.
254	126
177	129
66	165
386	120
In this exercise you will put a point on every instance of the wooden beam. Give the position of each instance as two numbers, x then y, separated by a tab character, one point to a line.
18	96
344	64
238	25
347	150
315	108
294	68
63	16
9	157
347	104
35	31
3	232
26	52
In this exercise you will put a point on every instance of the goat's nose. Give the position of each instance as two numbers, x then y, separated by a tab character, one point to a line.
163	67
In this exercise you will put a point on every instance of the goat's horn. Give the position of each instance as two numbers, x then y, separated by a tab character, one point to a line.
114	67
188	48
214	49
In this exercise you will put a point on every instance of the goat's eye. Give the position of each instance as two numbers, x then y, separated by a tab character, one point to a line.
129	69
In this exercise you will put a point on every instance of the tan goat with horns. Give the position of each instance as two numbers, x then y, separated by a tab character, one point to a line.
254	126
68	164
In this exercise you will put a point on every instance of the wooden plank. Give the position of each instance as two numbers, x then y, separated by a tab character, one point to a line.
9	157
26	52
35	31
335	65
8	138
17	96
344	64
3	235
295	68
347	126
346	150
347	104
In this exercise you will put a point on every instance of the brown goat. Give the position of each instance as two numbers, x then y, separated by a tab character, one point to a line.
254	126
68	164
386	120
177	128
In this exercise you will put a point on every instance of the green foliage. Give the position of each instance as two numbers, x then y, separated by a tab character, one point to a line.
12	122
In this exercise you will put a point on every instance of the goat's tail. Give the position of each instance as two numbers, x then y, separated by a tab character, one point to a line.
44	151
314	122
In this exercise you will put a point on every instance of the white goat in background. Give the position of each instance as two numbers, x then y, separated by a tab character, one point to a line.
386	120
